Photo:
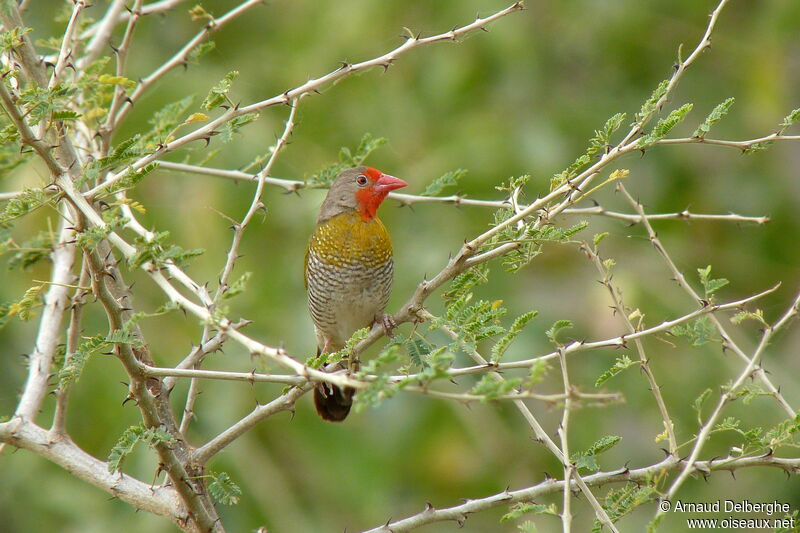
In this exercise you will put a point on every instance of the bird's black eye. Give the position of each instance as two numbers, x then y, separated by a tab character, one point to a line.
361	180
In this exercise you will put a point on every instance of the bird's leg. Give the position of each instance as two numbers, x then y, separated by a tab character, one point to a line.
388	323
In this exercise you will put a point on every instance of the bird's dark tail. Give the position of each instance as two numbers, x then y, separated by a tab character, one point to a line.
333	403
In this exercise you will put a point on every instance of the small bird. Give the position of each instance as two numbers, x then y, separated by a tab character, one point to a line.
348	271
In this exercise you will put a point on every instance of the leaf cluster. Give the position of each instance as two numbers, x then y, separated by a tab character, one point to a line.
132	436
158	252
588	459
347	159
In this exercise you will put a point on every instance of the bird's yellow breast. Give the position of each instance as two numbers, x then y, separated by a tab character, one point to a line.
347	240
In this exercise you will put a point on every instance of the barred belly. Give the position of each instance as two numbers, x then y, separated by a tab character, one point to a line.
346	297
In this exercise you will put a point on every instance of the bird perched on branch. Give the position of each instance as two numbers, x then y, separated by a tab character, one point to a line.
348	271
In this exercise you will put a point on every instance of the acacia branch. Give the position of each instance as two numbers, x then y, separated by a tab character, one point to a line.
102	33
458	200
49	335
180	58
741	145
153	404
560	453
284	402
460	513
622	312
286	97
727	340
727	397
65	52
159	500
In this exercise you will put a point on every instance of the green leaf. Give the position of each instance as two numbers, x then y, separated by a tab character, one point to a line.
472	321
757	315
715	116
570	172
602	138
519	509
116	80
366	146
505	341
24	307
697	405
122	336
74	363
89	238
621	364
559	325
698	332
650	104
790	119
536	374
381	387
729	423
347	159
218	94
587	460
130	438
466	281
65	114
758	147
491	388
27	201
710	285
598	237
199	51
157	252
417	349
448	179
33	250
165	121
664	126
238	286
141	315
222	488
619	503
234	125
603	445
12	39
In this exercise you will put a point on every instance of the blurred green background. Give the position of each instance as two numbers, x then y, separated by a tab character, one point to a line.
521	99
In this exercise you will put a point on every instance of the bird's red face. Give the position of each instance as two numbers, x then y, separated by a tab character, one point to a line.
373	186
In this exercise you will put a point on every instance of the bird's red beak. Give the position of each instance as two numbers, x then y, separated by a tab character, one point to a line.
386	183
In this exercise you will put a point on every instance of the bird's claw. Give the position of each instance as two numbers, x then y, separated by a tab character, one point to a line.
388	323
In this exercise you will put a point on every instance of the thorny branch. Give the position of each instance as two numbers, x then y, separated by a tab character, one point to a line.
183	498
460	513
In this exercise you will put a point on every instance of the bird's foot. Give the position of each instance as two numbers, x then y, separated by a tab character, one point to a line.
388	323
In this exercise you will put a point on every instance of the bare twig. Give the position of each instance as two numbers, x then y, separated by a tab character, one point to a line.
65	53
459	513
284	402
73	339
681	280
41	359
542	436
286	97
728	395
102	34
180	58
458	200
741	145
162	501
619	310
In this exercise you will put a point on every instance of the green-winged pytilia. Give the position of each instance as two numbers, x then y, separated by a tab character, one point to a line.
348	271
